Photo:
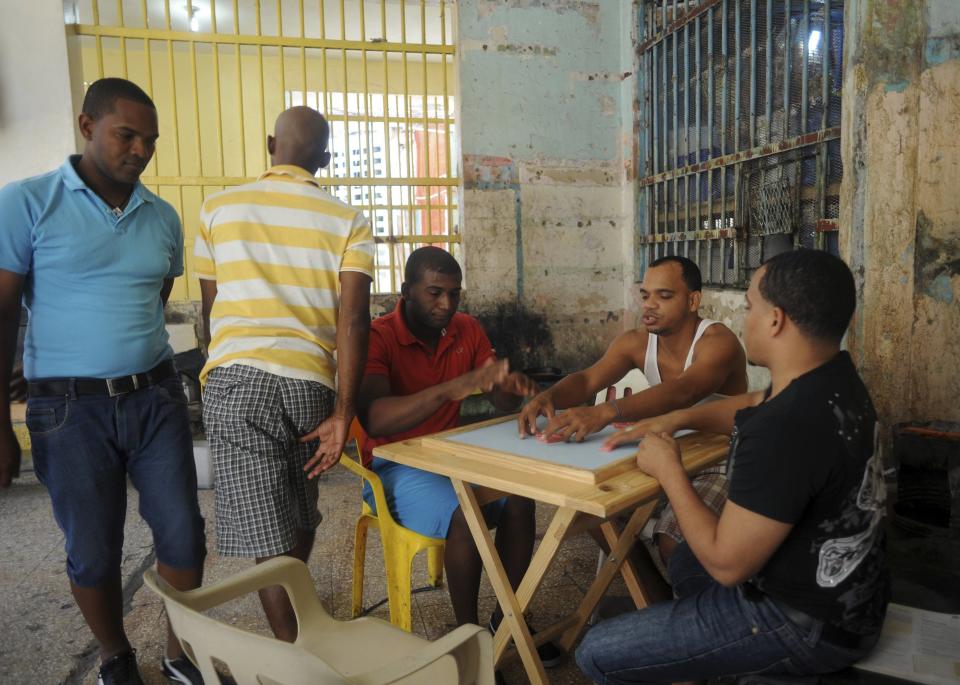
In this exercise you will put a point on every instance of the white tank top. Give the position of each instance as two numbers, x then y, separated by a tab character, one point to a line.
652	370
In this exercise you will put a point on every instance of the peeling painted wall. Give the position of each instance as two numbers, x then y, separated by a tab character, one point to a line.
900	202
546	119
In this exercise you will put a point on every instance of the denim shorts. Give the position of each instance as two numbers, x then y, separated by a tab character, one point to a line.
84	447
421	501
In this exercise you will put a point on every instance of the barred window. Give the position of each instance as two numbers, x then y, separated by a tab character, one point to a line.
220	72
739	150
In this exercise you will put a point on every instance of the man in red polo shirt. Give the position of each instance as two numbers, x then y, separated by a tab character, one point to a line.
424	359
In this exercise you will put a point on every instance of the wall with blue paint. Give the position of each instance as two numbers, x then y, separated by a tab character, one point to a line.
546	93
900	204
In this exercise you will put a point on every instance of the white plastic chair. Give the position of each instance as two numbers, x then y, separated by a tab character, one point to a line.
364	651
634	381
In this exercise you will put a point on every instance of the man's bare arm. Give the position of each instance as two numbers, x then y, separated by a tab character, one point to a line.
732	547
582	386
11	288
208	295
713	417
717	353
353	334
383	413
165	290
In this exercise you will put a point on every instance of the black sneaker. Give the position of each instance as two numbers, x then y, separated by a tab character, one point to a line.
120	669
181	670
550	655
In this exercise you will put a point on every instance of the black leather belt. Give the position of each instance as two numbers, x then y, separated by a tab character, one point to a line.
829	633
53	387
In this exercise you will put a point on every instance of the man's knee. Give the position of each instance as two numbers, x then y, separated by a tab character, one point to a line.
590	654
666	545
519	509
94	570
458	528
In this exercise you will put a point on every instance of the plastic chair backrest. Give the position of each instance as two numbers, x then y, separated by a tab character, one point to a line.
252	658
635	381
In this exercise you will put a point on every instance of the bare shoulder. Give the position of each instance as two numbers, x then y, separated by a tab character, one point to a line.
720	349
631	344
718	336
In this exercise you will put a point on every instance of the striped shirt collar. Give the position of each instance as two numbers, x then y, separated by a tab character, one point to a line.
290	171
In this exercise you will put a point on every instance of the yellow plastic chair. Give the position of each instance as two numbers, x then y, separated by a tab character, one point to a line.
363	651
400	546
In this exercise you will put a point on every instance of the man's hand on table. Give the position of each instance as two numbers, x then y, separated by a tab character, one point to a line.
638	431
659	456
577	423
540	405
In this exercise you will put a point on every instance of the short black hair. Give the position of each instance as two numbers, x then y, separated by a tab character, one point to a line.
691	272
430	258
103	94
814	288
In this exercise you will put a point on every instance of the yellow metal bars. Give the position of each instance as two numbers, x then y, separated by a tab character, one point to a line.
389	102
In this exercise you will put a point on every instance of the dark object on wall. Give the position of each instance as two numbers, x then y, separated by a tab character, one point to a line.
521	336
928	478
545	374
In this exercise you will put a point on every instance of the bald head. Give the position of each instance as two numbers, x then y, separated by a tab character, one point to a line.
300	138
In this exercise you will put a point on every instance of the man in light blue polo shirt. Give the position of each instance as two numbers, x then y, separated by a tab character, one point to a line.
93	254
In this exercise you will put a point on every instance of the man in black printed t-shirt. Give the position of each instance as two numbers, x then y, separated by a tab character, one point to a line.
791	578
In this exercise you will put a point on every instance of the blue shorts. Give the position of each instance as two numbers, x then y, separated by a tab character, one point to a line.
84	448
419	500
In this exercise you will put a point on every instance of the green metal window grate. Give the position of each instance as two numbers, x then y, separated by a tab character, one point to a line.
739	124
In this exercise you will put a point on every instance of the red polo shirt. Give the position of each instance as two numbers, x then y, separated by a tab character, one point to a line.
411	366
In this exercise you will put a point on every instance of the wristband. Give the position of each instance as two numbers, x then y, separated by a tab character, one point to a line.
619	416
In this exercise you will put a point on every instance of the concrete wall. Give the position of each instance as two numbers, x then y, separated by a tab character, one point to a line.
900	203
37	128
546	102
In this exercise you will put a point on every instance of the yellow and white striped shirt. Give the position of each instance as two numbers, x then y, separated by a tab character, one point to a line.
276	248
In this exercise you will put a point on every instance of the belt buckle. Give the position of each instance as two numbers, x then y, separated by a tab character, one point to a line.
113	391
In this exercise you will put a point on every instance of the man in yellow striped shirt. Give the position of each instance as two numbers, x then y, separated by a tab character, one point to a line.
285	272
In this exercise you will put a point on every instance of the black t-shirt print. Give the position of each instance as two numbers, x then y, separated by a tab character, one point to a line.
808	457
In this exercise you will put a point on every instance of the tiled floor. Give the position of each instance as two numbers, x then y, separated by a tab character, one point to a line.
45	640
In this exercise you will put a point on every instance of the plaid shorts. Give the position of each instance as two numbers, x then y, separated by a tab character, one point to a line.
253	420
710	484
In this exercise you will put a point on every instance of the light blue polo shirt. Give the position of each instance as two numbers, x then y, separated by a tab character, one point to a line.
93	279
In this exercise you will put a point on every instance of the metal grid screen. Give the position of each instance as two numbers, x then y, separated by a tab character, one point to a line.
739	124
220	71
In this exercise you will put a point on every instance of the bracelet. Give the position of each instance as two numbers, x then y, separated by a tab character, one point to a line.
619	416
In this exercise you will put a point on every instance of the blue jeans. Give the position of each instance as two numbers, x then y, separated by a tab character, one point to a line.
709	632
84	447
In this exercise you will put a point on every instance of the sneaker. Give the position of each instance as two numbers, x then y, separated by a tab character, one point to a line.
120	669
181	670
550	655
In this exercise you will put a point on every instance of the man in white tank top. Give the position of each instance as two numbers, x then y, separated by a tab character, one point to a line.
686	360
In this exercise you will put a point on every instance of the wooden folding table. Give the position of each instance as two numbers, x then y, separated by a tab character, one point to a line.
582	500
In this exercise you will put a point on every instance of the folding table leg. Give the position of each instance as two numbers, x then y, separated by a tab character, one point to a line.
512	613
607	573
542	558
